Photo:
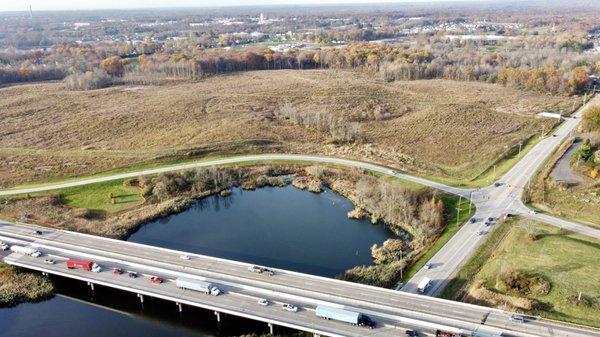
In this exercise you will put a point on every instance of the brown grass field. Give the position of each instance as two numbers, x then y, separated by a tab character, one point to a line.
436	127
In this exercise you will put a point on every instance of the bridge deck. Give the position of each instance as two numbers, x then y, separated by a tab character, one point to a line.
392	309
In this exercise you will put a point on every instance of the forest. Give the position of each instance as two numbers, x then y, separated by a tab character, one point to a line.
551	52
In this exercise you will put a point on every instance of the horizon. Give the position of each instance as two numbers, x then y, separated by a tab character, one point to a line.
74	5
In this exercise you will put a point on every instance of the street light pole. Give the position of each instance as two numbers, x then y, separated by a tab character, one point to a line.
401	267
470	200
458	209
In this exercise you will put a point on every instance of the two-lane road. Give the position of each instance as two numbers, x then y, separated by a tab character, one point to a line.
494	202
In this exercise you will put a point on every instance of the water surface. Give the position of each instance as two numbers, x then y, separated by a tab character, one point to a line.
278	227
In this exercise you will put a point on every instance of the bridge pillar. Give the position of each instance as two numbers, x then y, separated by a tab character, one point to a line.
218	314
270	328
316	335
141	297
91	285
179	306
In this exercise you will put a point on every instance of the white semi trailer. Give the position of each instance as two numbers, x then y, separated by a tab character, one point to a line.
26	251
196	285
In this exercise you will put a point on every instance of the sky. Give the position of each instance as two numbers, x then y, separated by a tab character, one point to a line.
22	5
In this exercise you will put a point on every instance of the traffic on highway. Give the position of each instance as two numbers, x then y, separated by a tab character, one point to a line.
285	298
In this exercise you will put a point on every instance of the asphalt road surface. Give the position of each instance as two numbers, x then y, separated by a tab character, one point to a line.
393	310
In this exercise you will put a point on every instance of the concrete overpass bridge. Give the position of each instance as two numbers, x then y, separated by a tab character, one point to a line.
394	311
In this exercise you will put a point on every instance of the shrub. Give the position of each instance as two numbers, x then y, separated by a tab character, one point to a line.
511	280
390	251
83	213
385	275
591	119
580	301
90	80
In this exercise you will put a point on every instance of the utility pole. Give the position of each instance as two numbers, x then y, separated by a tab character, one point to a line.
402	267
520	146
470	199
458	209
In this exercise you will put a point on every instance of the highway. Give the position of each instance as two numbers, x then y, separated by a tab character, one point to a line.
393	310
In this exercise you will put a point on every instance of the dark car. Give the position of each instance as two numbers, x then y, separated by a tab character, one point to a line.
38	232
132	274
117	271
412	333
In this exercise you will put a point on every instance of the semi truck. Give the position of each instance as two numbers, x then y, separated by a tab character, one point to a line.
343	315
196	285
83	264
26	251
424	284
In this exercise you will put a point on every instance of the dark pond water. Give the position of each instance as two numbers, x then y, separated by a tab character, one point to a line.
279	227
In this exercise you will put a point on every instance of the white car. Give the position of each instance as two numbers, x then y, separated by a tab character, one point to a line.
428	265
480	233
184	257
5	246
263	302
290	307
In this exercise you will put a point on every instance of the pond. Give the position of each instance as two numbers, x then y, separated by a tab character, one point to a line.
281	227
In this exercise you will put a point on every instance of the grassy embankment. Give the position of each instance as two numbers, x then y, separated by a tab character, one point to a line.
567	261
457	214
492	172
